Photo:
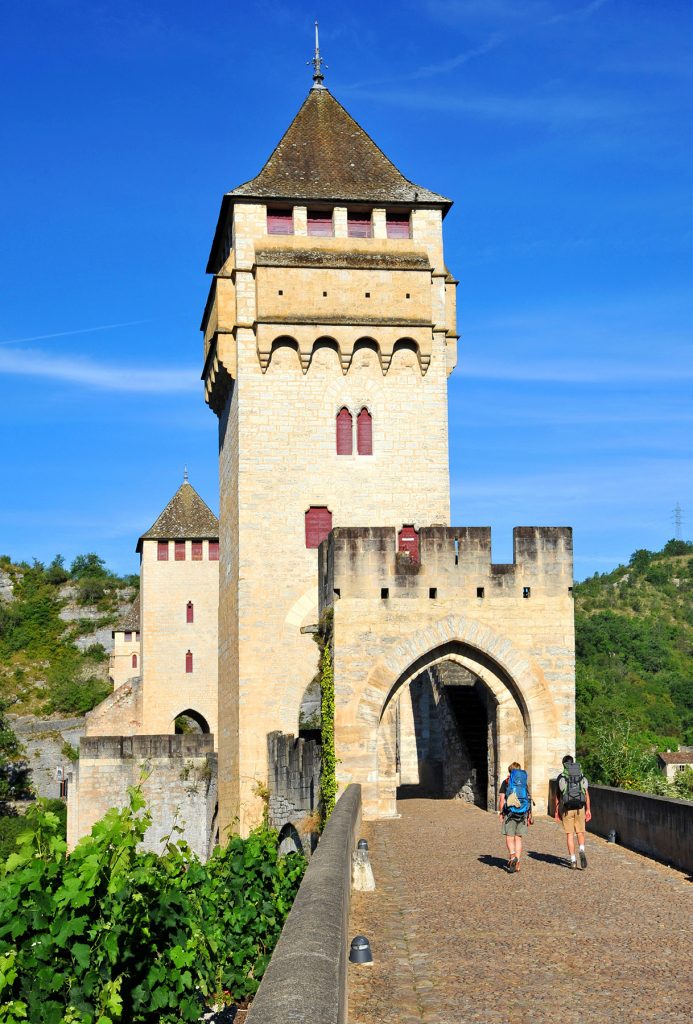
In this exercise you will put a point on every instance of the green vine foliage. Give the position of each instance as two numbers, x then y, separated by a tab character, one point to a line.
328	769
113	934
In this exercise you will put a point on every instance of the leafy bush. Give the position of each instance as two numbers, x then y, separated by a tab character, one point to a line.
74	696
112	934
11	826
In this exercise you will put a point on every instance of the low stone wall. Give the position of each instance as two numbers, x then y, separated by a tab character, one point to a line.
654	825
306	980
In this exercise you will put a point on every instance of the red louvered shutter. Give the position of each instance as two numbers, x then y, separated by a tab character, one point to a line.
320	223
345	433
359	225
214	550
134	661
364	433
196	548
280	222
397	225
189	612
408	540
189	662
162	550
180	550
318	525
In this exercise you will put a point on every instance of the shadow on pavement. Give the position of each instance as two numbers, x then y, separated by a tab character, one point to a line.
493	862
549	858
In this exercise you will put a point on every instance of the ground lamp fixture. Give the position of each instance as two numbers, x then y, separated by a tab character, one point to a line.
360	952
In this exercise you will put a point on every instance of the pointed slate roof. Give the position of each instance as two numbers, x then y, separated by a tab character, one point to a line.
185	517
326	155
130	622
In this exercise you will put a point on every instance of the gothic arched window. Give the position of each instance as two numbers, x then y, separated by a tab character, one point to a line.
188	661
364	433
189	612
345	433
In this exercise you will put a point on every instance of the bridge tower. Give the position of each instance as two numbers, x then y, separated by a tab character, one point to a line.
329	334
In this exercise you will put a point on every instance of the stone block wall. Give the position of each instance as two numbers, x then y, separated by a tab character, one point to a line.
293	790
178	775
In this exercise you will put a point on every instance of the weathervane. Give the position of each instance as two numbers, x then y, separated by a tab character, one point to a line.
317	63
185	474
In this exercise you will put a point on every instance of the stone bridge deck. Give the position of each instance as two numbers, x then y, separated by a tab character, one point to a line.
457	939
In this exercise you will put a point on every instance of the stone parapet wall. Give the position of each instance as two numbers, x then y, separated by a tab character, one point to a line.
306	979
178	776
658	826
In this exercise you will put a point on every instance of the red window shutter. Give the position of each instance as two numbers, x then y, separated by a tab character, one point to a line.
280	222
214	550
345	433
408	540
320	223
134	661
189	612
398	225
318	525
364	433
196	548
128	637
179	547
189	662
359	225
162	551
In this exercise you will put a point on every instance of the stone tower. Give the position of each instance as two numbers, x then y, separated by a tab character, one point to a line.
178	614
329	334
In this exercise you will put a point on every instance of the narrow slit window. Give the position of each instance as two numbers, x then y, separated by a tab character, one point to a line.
364	433
433	593
359	225
180	550
189	612
479	591
188	661
384	593
162	551
134	661
214	550
318	525
398	226
279	222
196	550
345	432
526	591
320	223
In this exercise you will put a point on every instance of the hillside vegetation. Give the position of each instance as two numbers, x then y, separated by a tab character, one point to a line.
48	613
634	648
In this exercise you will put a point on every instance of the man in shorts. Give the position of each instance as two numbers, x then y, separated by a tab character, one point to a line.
514	823
573	813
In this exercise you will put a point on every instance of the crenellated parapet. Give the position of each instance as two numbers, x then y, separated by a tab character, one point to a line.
451	562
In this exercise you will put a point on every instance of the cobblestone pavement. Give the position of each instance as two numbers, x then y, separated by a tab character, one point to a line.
457	939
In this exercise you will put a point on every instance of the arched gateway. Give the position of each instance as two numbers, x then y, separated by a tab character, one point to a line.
448	668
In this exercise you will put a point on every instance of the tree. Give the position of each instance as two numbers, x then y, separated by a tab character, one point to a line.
89	566
14	770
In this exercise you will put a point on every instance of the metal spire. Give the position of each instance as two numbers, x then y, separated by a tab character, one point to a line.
185	474
317	63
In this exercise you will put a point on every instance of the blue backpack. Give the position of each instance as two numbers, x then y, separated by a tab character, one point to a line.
517	788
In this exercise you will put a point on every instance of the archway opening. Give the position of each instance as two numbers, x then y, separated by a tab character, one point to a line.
190	721
444	735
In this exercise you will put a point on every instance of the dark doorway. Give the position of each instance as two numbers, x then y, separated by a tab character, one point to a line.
191	721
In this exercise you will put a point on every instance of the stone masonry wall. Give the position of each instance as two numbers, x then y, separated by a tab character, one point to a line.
293	790
178	778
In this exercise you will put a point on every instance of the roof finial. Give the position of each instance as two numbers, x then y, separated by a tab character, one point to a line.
185	474
317	63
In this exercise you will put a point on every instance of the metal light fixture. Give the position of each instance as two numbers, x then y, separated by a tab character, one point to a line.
362	845
611	837
360	952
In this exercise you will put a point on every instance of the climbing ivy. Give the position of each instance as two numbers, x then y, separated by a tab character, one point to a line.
328	773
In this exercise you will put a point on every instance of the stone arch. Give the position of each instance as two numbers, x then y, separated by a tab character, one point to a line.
366	344
405	345
512	679
289	840
280	346
195	718
322	345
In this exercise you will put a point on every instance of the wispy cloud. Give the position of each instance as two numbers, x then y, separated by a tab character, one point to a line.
88	373
69	334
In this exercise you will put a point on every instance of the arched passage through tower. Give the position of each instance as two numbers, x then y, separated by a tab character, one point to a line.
190	721
450	725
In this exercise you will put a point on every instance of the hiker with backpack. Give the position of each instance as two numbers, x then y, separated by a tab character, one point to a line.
572	807
515	811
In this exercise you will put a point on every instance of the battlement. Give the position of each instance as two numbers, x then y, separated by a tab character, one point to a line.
452	561
146	747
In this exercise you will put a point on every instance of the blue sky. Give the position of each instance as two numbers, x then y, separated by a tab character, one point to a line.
562	130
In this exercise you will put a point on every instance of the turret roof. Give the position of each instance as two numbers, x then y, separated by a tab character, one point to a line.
325	155
130	622
185	517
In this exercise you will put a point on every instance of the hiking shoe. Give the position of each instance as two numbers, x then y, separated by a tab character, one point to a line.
573	864
517	865
512	864
583	859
